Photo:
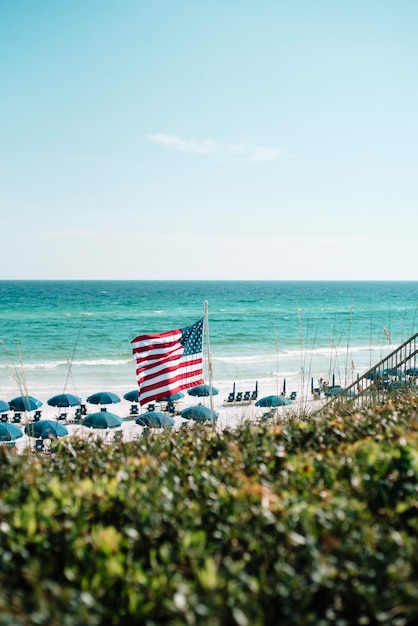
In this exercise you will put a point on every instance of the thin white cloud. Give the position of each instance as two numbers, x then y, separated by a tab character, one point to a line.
184	145
208	146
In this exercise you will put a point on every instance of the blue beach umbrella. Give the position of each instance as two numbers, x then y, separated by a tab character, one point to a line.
131	396
25	403
270	401
334	390
198	413
376	374
412	371
4	406
173	398
394	372
202	390
46	429
102	419
103	397
155	419
64	400
396	384
9	432
337	390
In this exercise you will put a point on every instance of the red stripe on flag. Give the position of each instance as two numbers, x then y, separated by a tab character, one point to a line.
162	369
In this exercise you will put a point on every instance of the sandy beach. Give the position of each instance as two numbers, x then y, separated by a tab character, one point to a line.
229	414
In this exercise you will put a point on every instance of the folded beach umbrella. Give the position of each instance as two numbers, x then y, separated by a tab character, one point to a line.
202	390
102	419
4	406
198	413
270	401
155	419
103	397
9	432
24	403
46	429
64	400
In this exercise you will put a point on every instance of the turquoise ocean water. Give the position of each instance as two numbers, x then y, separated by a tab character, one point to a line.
76	335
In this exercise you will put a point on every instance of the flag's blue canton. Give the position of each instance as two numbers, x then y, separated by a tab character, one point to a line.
191	338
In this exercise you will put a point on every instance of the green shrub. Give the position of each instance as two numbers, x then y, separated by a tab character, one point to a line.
304	522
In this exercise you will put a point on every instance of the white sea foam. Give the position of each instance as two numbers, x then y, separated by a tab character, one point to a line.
102	362
51	365
297	353
247	358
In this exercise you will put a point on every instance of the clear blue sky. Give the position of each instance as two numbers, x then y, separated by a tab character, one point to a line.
209	139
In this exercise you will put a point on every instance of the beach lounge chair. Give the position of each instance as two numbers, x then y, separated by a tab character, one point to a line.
37	416
254	395
231	397
62	416
134	409
118	436
17	418
4	417
39	445
293	395
78	414
239	396
247	396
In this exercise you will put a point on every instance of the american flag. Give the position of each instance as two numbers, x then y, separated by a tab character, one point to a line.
168	362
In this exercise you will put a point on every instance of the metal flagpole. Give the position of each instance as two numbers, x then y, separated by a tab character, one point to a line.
212	413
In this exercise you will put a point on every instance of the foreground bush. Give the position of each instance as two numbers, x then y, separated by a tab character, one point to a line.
309	522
